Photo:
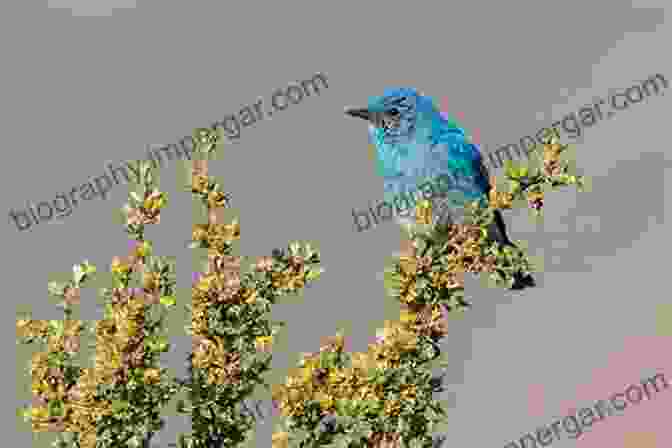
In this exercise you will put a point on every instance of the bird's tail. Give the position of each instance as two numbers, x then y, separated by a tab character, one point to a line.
497	230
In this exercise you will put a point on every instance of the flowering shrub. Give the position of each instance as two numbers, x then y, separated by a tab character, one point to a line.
231	333
117	403
383	397
380	398
382	394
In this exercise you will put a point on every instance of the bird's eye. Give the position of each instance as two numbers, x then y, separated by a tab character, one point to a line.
393	112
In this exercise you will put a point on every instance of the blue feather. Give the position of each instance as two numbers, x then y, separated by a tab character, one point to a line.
417	142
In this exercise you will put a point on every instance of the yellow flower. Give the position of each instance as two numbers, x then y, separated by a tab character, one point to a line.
423	212
296	281
199	183
281	280
336	377
362	361
72	327
56	394
552	150
142	249
39	413
294	395
250	296
445	280
385	333
326	401
408	392
88	439
391	407
306	374
232	231
23	326
217	199
408	264
500	199
199	232
32	328
152	376
205	283
126	326
39	362
408	316
118	267
533	195
151	280
407	340
335	343
280	440
263	342
155	201
39	387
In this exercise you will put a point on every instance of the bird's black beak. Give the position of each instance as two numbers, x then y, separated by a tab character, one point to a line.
360	113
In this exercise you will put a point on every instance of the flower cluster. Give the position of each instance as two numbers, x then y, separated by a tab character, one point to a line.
232	335
210	191
87	402
375	397
218	237
118	400
63	394
529	185
144	208
432	266
430	270
383	397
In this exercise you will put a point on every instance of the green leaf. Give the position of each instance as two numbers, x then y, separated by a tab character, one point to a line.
23	413
88	267
523	171
167	301
162	342
119	405
55	408
509	168
56	288
136	197
134	442
314	274
57	326
78	272
294	248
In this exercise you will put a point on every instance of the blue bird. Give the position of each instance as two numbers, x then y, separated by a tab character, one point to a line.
414	143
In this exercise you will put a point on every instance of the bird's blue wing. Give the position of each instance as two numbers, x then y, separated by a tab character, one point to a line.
462	164
481	174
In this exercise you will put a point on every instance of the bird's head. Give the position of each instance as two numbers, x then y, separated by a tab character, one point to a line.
395	116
